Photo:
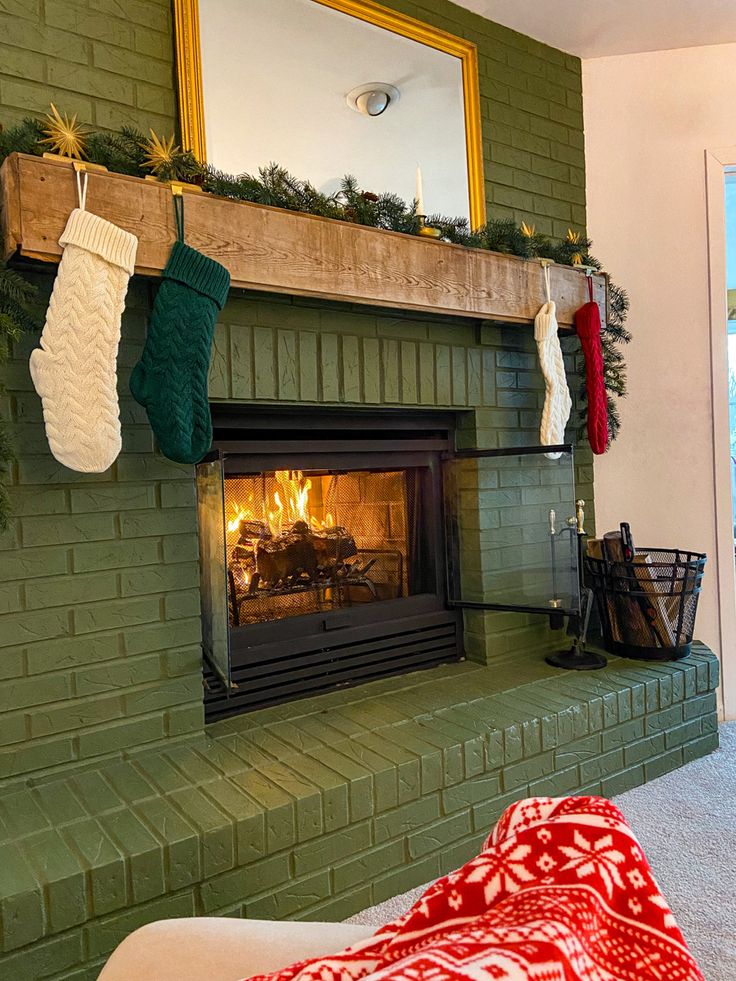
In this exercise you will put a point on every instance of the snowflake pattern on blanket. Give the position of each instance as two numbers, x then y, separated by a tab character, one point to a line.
560	891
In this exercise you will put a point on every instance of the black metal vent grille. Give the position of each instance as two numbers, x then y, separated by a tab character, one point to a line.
355	657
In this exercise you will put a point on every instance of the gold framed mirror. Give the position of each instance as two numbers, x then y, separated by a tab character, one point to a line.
439	126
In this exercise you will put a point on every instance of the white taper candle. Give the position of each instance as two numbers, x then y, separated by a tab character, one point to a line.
420	192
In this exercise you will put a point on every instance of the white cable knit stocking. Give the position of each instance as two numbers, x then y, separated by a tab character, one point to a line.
557	401
74	371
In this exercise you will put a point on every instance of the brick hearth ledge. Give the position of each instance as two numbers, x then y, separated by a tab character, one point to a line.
320	808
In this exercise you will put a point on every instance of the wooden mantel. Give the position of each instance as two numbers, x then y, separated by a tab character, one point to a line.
279	251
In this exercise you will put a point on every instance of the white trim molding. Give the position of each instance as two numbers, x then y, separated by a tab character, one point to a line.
718	163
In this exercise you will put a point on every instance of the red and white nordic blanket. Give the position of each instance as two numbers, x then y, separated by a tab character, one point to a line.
560	891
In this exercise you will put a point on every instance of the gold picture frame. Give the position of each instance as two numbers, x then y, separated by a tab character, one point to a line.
191	101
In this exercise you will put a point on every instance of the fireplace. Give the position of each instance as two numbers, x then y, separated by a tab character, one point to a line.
322	552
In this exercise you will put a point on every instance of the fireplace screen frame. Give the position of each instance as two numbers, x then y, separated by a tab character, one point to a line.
358	642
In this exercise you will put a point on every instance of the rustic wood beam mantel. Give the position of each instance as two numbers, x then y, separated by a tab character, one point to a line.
277	251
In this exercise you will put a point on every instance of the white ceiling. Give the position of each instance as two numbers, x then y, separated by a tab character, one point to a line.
610	27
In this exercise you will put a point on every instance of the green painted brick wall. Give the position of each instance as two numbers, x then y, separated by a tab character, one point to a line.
110	61
99	632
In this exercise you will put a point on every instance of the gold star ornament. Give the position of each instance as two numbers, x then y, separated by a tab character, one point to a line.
64	136
528	231
574	239
160	153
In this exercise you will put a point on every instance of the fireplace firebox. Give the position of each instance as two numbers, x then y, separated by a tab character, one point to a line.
322	552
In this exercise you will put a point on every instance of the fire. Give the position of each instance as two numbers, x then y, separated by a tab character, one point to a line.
290	503
239	514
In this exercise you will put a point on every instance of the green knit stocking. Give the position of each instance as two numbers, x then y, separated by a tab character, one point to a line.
170	380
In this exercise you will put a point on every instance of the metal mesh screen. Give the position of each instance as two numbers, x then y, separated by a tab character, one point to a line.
305	542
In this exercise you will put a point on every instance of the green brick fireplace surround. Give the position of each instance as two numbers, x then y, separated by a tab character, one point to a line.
116	806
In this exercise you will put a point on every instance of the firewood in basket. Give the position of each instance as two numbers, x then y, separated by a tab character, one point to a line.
333	546
288	556
628	618
594	548
656	607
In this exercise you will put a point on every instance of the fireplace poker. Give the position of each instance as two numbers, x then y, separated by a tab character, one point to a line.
555	602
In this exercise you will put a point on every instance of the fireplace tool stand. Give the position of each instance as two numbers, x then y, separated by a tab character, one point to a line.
575	658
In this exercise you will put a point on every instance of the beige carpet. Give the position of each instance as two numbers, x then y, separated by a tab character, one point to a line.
686	823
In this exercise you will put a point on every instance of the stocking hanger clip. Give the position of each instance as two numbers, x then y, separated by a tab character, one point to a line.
81	174
182	185
588	270
545	264
179	187
83	165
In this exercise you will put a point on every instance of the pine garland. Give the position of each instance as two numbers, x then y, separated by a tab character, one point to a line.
16	317
129	151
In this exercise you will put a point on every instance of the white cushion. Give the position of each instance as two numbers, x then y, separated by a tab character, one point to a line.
211	948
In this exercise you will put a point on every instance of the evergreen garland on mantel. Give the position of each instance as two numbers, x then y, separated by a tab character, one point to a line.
129	151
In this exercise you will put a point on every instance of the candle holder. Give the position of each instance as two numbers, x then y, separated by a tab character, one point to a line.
428	231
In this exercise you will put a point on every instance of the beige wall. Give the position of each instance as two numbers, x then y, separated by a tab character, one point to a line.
648	120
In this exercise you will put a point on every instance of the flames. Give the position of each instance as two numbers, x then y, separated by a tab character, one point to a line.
289	503
239	513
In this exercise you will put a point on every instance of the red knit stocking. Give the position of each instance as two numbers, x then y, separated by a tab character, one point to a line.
588	327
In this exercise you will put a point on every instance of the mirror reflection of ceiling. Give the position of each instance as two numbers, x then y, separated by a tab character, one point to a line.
275	77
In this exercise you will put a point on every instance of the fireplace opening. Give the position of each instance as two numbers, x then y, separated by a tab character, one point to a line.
322	552
302	542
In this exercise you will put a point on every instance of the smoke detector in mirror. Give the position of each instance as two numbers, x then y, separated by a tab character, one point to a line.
373	98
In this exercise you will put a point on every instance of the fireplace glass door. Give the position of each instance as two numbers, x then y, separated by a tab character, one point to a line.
512	533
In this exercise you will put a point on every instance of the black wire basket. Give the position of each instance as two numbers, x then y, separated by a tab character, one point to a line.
647	606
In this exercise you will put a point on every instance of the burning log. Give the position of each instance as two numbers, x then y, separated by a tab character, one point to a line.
333	546
240	577
250	530
287	556
243	553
